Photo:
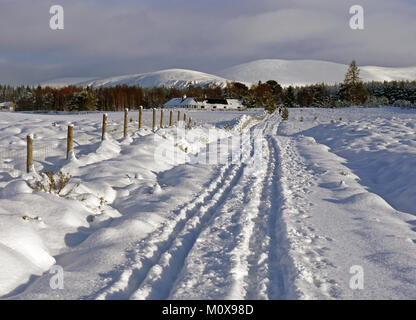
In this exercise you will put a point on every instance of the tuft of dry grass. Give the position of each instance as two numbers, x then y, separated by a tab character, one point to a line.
52	183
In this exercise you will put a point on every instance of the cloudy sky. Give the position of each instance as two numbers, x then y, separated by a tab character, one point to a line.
113	37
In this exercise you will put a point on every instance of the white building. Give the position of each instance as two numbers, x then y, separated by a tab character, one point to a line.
184	102
222	104
208	104
7	106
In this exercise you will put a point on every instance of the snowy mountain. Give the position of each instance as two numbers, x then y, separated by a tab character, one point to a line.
304	72
286	72
62	82
174	78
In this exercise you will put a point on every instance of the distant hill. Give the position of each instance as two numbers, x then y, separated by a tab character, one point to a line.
172	78
304	72
286	72
62	82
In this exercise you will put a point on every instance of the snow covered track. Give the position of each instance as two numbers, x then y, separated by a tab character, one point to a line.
164	244
162	277
235	257
290	211
223	242
269	274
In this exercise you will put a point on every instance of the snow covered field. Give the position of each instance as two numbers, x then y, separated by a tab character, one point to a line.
330	192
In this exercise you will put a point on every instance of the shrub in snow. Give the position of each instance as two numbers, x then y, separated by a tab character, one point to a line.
341	104
52	183
373	101
285	114
156	189
404	104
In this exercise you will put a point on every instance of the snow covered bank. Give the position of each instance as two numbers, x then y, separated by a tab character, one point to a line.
378	145
115	196
344	183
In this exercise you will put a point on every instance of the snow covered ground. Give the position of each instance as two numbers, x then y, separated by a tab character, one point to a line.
266	210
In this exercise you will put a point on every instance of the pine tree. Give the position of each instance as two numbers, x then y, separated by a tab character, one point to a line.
289	99
352	90
277	91
91	100
353	74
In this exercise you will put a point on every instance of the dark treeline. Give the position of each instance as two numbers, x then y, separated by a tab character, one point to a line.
269	95
72	98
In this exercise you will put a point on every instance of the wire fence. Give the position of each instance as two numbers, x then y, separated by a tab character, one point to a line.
14	159
46	153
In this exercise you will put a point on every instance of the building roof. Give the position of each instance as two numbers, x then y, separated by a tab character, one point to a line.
216	101
173	102
180	102
6	104
208	103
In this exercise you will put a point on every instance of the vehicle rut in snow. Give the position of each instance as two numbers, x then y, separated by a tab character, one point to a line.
235	257
162	276
170	243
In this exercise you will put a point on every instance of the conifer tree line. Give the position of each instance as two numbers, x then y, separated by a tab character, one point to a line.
269	95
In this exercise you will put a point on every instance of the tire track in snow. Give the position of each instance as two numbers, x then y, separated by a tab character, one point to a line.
163	276
149	250
222	263
145	255
269	265
216	260
281	268
268	268
258	280
242	267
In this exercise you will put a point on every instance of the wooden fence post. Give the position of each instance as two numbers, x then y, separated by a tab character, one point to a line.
69	142
179	116
140	117
29	158
171	118
126	121
184	118
190	123
154	119
104	126
162	115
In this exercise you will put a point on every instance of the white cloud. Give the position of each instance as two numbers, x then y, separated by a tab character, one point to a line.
104	38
